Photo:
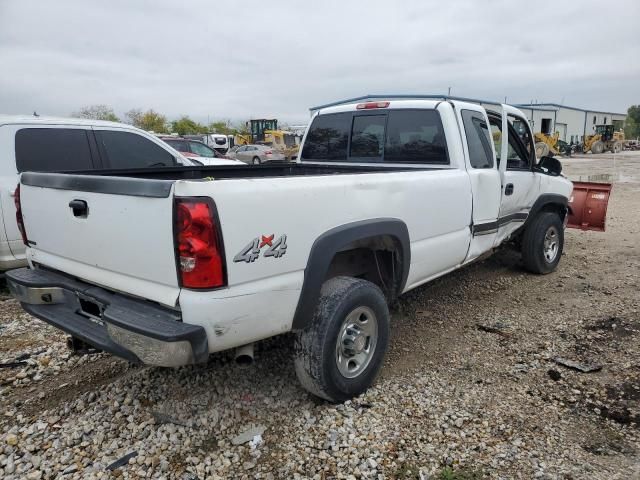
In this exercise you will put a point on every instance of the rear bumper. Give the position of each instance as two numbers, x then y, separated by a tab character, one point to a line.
136	330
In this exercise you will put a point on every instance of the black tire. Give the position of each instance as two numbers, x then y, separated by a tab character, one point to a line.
542	149
536	254
597	148
256	161
316	348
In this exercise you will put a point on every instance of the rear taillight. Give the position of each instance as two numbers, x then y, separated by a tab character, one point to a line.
268	152
199	244
19	219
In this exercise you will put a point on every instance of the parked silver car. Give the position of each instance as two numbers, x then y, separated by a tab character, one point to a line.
257	154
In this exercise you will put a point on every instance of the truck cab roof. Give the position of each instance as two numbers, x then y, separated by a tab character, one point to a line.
48	120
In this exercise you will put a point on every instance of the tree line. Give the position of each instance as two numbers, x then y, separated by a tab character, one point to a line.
150	120
632	124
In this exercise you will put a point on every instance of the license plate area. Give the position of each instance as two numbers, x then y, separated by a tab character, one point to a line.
90	308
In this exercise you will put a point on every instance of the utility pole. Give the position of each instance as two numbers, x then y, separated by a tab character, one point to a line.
449	92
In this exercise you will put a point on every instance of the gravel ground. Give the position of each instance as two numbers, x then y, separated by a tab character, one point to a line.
454	400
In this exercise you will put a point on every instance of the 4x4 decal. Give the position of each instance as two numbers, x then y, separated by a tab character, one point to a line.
251	252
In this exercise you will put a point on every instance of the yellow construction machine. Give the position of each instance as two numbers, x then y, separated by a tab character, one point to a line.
605	139
546	144
282	141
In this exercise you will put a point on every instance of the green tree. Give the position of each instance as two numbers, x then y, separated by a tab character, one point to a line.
97	112
223	126
150	120
186	126
242	127
632	124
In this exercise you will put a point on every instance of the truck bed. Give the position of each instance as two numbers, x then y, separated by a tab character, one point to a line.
225	172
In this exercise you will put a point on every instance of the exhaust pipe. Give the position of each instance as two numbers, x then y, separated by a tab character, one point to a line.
244	355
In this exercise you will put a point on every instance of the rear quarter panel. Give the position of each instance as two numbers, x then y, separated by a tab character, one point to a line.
262	295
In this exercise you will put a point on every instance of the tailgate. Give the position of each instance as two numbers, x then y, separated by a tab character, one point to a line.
111	231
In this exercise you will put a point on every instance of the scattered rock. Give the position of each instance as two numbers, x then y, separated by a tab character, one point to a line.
581	367
248	435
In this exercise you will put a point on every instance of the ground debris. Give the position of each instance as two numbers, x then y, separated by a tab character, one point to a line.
497	328
20	360
581	367
122	460
248	435
162	418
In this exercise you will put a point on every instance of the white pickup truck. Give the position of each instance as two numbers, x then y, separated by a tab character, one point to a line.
165	266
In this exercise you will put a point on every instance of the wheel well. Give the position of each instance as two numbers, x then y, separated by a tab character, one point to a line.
376	259
561	210
377	249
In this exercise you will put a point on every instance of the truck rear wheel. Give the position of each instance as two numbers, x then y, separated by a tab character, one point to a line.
542	243
339	355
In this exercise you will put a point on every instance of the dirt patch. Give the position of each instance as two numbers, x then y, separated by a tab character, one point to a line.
618	327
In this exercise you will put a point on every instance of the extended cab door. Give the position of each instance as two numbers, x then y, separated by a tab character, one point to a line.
484	176
515	153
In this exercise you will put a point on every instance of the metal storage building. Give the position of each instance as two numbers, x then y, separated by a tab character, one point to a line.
570	122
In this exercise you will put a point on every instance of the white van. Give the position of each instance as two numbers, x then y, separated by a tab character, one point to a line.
216	141
29	143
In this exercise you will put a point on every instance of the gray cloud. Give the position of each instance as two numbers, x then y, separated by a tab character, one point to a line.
225	60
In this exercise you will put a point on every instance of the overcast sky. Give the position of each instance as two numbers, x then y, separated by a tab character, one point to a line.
214	59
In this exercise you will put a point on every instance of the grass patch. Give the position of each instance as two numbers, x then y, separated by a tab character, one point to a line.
448	473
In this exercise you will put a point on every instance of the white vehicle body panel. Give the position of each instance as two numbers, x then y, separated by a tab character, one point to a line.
12	249
142	264
127	244
217	141
212	162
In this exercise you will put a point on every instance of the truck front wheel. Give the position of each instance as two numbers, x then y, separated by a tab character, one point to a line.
542	243
339	355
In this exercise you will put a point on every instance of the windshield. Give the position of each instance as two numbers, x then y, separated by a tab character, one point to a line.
201	150
179	145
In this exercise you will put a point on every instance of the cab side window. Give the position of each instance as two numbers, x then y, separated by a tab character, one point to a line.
518	156
478	139
52	149
129	150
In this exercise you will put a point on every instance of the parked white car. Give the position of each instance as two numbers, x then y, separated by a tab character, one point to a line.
385	197
29	143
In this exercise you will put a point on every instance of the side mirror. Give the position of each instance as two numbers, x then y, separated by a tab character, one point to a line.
549	166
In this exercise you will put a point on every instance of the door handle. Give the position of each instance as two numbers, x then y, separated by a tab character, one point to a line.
508	189
79	208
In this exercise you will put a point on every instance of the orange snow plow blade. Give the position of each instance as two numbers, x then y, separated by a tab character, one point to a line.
588	206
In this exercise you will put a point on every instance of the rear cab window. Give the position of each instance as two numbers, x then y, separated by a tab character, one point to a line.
395	136
53	149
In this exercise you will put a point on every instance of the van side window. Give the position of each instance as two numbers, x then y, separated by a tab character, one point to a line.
478	139
328	138
129	150
52	149
415	136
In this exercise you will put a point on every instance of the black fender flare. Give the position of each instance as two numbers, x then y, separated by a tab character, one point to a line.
544	200
331	242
